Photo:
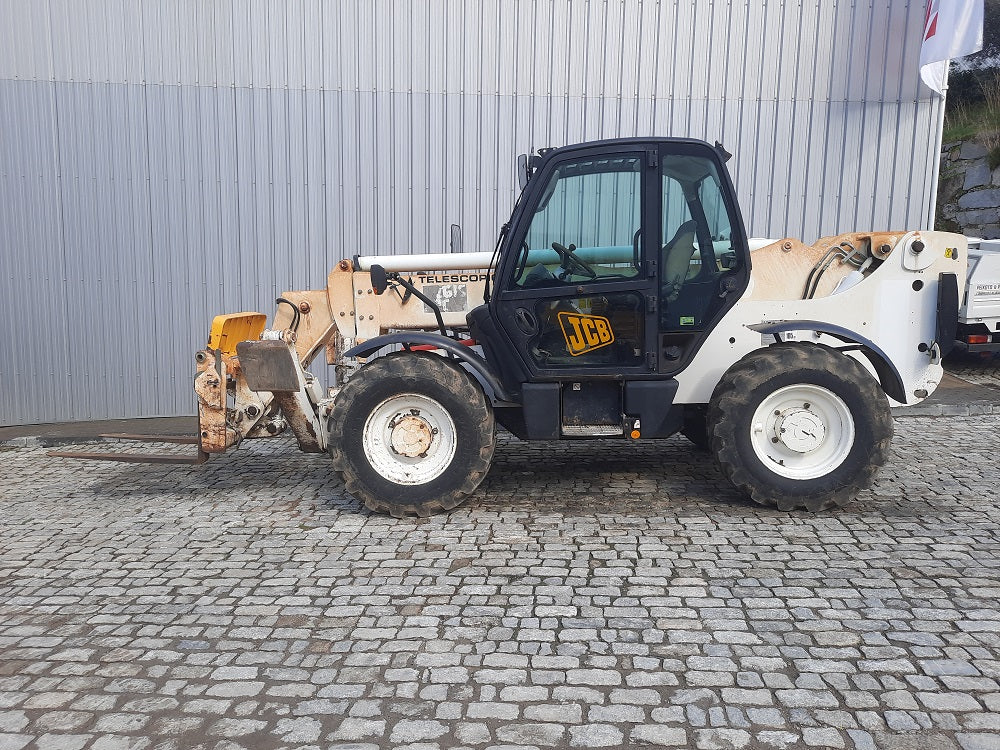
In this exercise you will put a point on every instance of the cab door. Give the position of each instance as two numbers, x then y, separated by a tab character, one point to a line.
577	297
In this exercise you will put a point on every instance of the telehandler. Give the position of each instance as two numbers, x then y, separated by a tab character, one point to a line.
622	301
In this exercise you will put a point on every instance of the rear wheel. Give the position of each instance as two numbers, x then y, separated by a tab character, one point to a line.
411	434
800	426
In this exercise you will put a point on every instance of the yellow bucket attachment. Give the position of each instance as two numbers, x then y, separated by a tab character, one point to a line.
229	330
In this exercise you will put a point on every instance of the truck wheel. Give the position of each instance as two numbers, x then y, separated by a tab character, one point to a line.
411	433
800	426
695	426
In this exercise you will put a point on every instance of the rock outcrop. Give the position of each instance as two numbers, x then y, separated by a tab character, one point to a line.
968	191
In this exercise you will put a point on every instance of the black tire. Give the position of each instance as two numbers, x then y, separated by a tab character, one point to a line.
764	377
695	426
373	393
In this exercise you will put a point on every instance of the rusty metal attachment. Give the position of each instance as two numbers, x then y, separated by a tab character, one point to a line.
210	385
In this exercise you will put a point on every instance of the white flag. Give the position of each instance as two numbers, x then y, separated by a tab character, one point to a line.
952	28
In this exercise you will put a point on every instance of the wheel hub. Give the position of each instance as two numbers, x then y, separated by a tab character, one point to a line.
411	435
409	439
799	429
802	431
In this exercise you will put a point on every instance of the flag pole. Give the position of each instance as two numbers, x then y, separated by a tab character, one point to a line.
939	142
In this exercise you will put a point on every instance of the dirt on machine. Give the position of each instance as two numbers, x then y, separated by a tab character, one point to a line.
623	300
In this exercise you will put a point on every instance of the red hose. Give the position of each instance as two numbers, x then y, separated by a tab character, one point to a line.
431	347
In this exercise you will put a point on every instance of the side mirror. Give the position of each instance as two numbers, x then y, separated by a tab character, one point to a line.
379	279
456	238
522	170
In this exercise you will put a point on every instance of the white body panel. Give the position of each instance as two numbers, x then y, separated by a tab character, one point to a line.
883	308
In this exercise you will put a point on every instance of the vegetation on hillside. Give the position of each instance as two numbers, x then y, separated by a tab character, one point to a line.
976	115
972	109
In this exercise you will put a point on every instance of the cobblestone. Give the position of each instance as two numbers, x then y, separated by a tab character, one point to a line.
627	600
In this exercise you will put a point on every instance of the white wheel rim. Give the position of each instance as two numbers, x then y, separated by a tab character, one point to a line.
802	431
409	439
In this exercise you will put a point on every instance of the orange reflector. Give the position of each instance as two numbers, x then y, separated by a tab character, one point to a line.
978	338
634	434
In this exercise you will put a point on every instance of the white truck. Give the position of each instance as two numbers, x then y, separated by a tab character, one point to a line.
979	314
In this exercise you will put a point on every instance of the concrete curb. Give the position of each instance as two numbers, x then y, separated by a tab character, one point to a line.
25	442
946	410
72	433
43	441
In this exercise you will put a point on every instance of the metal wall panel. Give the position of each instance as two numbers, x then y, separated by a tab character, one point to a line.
162	161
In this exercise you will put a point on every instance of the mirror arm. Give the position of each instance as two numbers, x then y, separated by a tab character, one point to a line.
408	286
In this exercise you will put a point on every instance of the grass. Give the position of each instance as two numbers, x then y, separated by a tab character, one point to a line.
993	157
960	126
967	121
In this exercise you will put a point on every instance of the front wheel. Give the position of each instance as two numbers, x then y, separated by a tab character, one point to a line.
800	426
411	434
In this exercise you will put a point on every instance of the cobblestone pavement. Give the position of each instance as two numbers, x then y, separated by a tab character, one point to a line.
978	369
589	595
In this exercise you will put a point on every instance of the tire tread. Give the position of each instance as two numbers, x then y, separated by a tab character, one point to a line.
732	397
414	367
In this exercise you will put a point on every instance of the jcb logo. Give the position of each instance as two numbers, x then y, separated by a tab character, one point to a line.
584	333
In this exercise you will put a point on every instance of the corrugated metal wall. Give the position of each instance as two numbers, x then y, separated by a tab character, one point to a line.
162	161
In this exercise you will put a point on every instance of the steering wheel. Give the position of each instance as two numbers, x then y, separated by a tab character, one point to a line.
569	261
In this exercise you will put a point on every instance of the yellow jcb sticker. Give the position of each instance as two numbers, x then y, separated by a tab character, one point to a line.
950	252
584	333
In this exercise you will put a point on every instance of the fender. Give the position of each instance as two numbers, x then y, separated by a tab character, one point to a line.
888	375
947	312
436	340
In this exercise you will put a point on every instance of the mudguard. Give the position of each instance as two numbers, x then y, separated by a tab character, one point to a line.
481	367
947	312
889	377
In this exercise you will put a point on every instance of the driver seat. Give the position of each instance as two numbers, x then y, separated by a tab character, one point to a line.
675	260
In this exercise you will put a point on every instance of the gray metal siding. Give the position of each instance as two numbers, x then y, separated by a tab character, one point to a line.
162	161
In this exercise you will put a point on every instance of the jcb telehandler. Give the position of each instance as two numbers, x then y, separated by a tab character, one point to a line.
622	300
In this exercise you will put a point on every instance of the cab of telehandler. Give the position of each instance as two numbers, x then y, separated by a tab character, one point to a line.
618	261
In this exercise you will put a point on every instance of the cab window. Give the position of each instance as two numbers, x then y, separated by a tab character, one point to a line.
586	227
697	251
